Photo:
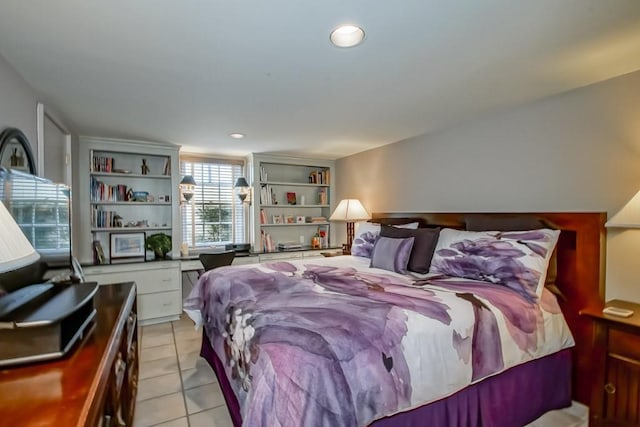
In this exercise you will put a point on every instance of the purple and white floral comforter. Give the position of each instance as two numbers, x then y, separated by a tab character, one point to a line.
332	342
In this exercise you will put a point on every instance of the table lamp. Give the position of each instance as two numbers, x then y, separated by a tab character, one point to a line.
15	250
628	216
349	211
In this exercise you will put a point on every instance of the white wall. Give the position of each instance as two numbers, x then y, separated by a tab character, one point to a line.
579	151
17	104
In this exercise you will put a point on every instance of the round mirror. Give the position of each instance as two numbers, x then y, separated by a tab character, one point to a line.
15	151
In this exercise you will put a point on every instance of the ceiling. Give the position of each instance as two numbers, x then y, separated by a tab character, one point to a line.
192	71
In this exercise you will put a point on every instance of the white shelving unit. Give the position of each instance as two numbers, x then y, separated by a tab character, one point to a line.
273	214
109	172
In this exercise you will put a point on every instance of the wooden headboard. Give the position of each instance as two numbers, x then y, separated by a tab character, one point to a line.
581	257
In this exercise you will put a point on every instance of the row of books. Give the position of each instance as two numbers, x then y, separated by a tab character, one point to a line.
319	177
267	242
101	192
102	164
105	219
267	195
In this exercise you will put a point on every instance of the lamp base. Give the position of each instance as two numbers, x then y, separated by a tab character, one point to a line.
346	249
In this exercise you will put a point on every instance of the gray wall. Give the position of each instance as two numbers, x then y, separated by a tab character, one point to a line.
17	103
579	151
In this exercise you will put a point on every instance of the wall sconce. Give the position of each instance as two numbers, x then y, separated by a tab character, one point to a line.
349	211
243	189
187	187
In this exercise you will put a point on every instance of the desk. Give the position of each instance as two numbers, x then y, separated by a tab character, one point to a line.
192	263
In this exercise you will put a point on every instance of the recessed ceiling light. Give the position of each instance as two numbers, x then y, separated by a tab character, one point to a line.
347	36
236	135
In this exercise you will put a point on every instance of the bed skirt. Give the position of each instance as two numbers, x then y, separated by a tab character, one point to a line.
513	398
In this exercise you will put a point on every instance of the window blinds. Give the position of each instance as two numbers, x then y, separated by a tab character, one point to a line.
215	214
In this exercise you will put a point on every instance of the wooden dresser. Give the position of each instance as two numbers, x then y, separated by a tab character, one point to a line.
94	385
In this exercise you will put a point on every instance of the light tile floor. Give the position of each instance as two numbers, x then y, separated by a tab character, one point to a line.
177	388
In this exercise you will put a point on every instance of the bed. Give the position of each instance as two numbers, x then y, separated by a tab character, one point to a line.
337	342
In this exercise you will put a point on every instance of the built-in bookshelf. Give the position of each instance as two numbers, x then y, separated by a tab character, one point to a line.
292	203
125	187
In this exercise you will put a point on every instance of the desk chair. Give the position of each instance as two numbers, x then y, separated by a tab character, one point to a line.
212	260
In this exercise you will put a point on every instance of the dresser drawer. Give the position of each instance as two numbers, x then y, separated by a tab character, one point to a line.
624	344
161	304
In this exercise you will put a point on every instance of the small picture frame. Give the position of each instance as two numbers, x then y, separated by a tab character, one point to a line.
300	220
289	219
127	245
291	198
277	219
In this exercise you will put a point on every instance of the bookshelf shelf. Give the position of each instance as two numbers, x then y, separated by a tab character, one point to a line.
305	224
132	203
286	189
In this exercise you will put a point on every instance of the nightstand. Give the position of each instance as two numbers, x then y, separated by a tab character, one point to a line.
615	398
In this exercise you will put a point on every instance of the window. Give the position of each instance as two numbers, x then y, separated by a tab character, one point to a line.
41	209
215	214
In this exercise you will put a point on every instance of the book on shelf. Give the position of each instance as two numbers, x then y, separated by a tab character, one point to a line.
267	242
322	196
263	217
263	174
166	169
316	219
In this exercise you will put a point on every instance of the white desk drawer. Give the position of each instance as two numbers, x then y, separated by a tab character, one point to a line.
280	256
147	280
161	304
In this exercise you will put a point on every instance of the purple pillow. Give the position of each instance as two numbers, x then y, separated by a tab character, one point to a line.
391	254
423	246
366	235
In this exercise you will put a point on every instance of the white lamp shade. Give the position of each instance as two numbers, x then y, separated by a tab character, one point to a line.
349	210
15	249
628	216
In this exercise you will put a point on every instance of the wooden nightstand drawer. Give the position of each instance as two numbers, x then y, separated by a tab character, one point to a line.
623	344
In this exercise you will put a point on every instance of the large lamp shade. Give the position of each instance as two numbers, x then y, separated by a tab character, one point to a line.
349	211
15	250
628	216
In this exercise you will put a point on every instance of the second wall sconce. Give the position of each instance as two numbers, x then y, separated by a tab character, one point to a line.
187	187
243	189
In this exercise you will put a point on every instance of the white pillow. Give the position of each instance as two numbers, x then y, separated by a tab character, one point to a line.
366	235
516	259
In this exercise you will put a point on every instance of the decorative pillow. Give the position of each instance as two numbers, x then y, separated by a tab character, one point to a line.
391	254
366	236
516	259
423	245
517	223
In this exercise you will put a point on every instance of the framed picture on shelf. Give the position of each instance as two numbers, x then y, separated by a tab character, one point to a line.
300	220
127	245
289	219
291	198
277	219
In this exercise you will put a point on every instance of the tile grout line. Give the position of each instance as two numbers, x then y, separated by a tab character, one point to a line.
184	396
